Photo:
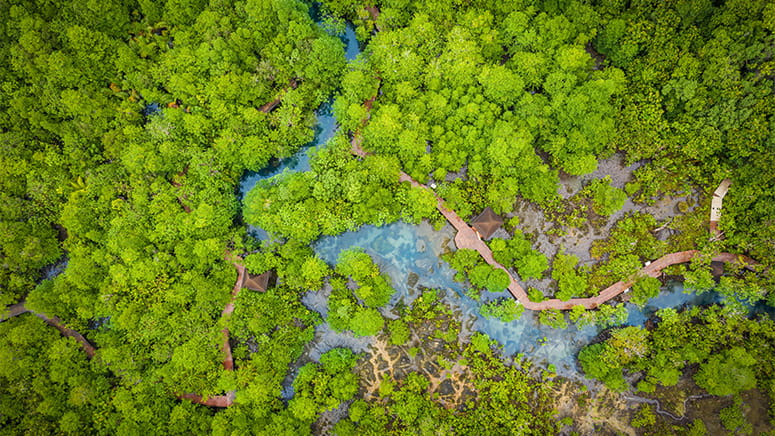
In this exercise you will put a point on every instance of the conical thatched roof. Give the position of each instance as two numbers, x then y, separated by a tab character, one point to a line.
256	282
487	222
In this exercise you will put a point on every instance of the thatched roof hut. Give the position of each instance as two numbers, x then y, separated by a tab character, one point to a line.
487	223
257	282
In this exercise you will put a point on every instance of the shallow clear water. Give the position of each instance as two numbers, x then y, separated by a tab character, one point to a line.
672	295
352	49
325	126
401	249
410	255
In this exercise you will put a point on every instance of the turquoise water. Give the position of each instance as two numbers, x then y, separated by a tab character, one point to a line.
671	295
352	48
401	249
676	296
325	126
405	251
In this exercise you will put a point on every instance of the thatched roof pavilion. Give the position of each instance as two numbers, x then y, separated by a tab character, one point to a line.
257	282
487	223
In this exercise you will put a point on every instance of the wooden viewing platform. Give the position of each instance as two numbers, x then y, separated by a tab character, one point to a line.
466	237
243	279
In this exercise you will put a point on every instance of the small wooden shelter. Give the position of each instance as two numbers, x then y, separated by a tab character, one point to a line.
257	282
487	223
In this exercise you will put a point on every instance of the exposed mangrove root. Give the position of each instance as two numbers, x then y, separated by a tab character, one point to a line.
658	406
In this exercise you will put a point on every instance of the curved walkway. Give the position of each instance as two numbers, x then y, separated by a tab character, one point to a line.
228	360
654	269
466	237
19	308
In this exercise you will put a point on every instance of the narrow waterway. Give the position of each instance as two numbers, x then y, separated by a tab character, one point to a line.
325	126
410	255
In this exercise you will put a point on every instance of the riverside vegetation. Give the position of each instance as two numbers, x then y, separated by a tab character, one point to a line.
127	125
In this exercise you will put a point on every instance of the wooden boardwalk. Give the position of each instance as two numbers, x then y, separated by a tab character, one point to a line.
19	308
228	359
466	237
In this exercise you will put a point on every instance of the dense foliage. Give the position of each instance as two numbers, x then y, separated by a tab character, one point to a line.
699	103
479	90
479	273
126	125
517	252
504	309
338	194
507	401
49	387
354	306
734	353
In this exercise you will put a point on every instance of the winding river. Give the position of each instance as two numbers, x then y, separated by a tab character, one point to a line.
410	255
